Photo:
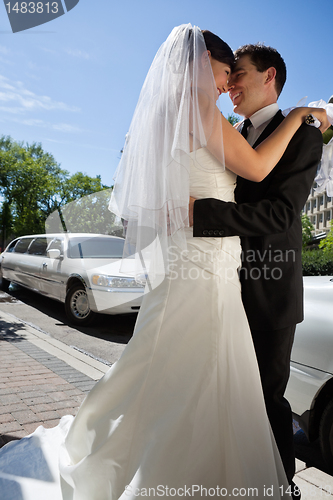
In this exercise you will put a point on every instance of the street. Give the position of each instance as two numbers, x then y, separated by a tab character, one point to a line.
104	340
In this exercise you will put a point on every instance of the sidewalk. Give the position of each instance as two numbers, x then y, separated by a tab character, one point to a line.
42	379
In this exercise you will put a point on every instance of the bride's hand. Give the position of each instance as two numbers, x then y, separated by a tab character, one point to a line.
318	113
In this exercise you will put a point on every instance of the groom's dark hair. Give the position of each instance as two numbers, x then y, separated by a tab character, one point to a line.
264	57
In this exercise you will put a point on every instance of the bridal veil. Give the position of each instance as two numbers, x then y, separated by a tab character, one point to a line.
174	118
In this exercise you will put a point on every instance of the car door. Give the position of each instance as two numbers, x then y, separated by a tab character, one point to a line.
8	261
16	263
33	261
53	277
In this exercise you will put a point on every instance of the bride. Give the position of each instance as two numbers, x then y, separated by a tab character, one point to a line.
181	413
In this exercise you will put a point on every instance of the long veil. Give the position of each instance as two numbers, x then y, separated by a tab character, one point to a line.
174	117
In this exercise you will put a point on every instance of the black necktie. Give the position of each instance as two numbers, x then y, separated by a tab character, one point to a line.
246	124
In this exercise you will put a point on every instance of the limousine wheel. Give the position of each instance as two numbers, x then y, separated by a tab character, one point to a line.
77	306
326	435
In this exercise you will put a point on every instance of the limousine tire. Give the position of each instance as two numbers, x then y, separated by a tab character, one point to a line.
77	306
4	284
326	436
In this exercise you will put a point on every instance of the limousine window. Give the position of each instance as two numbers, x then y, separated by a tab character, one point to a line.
95	248
22	245
56	244
38	246
11	246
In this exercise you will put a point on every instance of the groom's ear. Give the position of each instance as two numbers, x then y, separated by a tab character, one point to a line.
270	74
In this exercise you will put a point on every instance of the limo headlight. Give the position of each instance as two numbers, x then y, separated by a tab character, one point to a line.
115	281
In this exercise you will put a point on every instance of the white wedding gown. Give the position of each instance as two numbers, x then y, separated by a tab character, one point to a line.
181	413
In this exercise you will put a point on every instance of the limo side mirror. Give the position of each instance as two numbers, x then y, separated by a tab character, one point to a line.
53	253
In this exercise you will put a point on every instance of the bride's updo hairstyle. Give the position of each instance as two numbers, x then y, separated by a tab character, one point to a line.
218	48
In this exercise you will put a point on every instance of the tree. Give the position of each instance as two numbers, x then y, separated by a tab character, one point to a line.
233	119
88	214
327	243
307	228
33	185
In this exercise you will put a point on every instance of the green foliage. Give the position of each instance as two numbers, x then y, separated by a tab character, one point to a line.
233	119
317	263
87	214
327	136
32	186
327	243
307	227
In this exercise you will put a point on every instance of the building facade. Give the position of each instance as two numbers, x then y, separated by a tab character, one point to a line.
319	209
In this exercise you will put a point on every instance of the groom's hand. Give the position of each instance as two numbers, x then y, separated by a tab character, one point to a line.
190	210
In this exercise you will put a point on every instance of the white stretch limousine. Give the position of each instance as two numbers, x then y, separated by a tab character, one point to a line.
79	269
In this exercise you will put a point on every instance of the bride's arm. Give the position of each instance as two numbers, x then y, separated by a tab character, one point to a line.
256	164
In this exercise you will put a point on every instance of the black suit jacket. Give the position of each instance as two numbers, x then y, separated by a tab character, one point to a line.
267	218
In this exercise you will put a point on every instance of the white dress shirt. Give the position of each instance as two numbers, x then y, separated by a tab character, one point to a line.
259	121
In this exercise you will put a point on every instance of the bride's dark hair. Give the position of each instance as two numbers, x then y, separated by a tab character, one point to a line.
218	48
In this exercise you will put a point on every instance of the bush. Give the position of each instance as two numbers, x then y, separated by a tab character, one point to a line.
307	229
327	243
317	263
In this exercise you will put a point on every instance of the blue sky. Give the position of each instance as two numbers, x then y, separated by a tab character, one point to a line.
72	84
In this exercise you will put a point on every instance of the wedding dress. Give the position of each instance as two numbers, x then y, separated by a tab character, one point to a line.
181	413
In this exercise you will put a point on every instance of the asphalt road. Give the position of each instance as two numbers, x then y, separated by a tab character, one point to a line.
104	340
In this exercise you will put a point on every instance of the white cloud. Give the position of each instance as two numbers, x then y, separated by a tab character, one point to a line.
11	110
78	53
81	145
4	50
36	122
49	51
65	127
21	106
16	93
32	122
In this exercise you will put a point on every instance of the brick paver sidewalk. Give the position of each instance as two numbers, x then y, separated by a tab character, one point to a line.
36	388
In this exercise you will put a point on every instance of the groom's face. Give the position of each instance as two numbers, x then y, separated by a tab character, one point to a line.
247	87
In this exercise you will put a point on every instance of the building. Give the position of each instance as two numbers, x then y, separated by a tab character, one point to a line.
319	206
319	209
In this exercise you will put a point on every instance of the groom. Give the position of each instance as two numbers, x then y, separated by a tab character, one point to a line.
267	218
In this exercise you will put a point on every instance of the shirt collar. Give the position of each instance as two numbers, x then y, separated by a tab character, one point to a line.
263	115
